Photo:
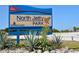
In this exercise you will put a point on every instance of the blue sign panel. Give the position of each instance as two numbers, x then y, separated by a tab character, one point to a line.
25	18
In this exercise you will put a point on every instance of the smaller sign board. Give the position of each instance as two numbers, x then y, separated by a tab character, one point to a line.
29	20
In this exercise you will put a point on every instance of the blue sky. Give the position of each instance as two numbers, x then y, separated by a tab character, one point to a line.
3	17
64	17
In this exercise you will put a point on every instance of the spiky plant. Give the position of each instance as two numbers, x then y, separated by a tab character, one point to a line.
57	42
31	41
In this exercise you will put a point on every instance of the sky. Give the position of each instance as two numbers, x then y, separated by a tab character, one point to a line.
3	17
64	16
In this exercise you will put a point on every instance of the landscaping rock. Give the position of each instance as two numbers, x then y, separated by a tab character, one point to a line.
57	51
39	51
53	51
4	51
71	51
25	51
66	50
19	50
12	51
32	52
46	51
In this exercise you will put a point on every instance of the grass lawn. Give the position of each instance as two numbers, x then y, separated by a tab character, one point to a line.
72	44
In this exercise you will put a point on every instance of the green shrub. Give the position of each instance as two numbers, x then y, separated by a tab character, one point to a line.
43	43
4	41
21	45
3	38
9	44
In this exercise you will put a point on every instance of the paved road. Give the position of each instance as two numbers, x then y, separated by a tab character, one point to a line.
65	36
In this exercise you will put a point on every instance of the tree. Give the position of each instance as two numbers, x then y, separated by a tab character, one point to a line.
6	30
65	31
74	28
55	30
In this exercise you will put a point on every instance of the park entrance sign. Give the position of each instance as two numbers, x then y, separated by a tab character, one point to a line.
22	19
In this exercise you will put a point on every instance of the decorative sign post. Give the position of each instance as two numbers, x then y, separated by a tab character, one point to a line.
22	19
